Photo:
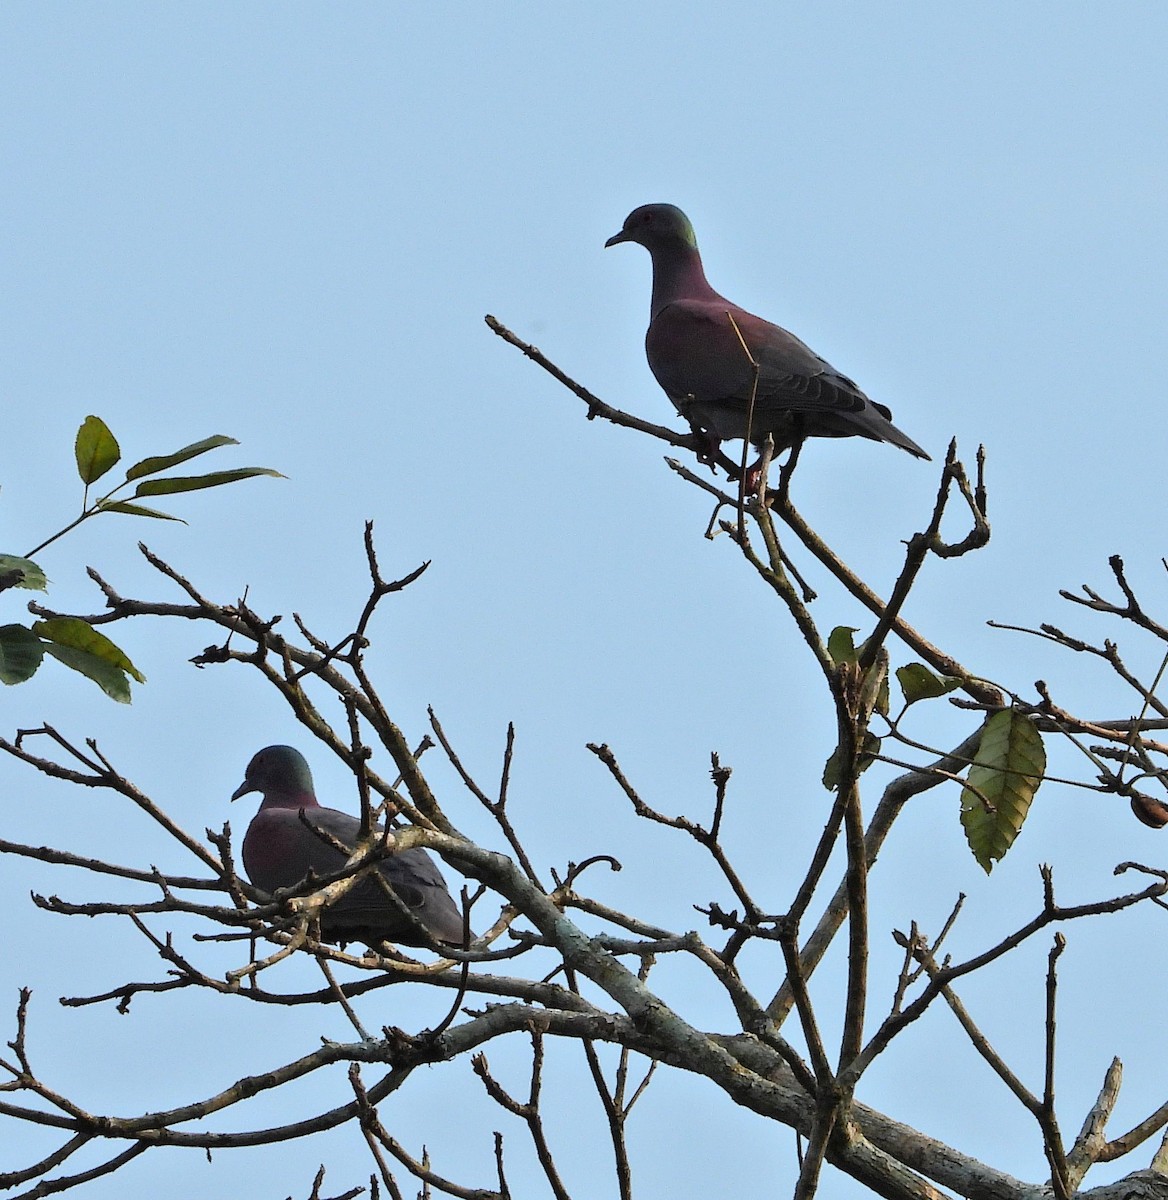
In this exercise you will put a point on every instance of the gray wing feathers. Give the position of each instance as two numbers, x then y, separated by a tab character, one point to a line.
365	911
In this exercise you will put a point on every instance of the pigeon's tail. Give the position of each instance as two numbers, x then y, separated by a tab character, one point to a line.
893	435
889	433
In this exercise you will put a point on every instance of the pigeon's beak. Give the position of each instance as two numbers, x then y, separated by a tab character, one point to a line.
243	790
616	239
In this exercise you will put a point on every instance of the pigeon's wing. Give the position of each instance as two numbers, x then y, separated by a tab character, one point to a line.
415	877
696	348
415	880
794	379
280	850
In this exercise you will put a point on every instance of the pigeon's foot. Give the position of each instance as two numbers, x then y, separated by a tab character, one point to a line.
709	448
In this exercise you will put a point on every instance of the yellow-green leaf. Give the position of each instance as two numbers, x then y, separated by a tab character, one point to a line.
137	510
917	682
1006	772
109	678
21	652
840	645
80	635
193	483
151	466
96	449
27	573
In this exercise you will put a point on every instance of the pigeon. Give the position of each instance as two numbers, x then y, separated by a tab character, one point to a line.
697	356
280	849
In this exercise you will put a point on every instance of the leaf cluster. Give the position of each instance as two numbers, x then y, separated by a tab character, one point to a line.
1004	775
69	640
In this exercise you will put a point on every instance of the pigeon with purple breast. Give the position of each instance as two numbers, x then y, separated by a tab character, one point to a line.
280	850
696	354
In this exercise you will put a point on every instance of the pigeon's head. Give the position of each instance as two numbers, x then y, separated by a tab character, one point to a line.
657	227
279	771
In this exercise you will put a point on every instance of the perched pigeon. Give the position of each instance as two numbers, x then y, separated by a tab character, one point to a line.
279	850
699	360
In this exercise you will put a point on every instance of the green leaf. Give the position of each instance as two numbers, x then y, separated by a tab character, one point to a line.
919	683
137	510
96	449
109	678
80	635
840	646
31	576
193	483
833	768
1006	772
21	652
151	466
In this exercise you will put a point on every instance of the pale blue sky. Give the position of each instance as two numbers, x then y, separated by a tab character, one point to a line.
285	222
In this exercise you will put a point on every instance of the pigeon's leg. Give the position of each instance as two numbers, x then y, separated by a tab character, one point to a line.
707	447
788	469
754	471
